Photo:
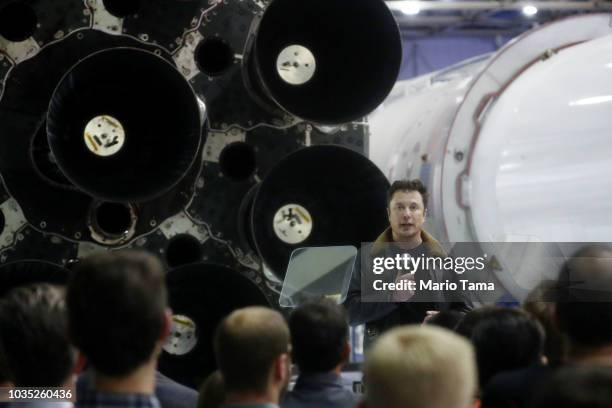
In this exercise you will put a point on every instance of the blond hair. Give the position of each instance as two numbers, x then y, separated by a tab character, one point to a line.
420	366
246	344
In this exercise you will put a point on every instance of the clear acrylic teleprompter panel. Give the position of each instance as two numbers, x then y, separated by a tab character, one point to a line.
318	272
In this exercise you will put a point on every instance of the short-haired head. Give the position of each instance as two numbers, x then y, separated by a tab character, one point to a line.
408	185
117	310
34	336
319	335
212	391
420	366
576	386
585	289
5	373
504	338
247	344
540	304
406	211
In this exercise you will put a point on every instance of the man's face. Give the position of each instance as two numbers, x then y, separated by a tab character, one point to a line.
406	214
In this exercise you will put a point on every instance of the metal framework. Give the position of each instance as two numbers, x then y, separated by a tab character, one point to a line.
491	5
484	17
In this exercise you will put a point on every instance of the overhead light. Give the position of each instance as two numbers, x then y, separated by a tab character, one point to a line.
410	8
530	10
592	100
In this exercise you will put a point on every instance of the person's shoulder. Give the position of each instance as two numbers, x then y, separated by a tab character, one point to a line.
434	248
382	242
514	385
290	400
522	375
172	394
254	405
320	399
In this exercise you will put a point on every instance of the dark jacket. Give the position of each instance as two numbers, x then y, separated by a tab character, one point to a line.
380	316
323	390
169	393
514	389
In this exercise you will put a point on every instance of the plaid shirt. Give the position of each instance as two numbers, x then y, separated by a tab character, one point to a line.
95	399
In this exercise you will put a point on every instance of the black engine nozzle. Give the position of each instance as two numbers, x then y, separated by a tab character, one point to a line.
327	61
124	125
201	295
323	195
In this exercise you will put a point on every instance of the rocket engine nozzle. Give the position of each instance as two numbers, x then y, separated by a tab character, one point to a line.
201	295
327	61
317	196
124	125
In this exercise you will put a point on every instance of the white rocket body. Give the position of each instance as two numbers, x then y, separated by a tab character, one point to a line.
513	146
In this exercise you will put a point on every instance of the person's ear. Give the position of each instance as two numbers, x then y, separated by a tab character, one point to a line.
556	322
346	352
80	363
167	327
282	368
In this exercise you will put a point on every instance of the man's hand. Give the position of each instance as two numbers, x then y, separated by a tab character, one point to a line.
403	295
430	315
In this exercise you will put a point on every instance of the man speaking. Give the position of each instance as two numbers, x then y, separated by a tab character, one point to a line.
406	209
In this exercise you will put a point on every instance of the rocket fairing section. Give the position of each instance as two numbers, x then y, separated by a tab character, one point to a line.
501	138
513	147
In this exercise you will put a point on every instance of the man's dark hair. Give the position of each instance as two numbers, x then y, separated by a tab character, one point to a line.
540	303
576	387
212	391
5	374
116	305
34	336
319	332
408	185
584	303
505	339
246	344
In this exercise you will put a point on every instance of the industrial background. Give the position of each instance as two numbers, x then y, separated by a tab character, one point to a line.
224	134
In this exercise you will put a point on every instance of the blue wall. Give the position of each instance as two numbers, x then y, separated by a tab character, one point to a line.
427	54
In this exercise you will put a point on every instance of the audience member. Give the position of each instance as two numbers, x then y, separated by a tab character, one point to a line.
320	348
118	319
577	387
5	377
582	313
252	351
418	367
504	339
212	391
34	338
169	393
540	302
584	306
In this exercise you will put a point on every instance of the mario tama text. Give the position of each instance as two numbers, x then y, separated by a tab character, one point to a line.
425	278
431	285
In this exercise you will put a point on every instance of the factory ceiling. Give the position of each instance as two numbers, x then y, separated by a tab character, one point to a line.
484	17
